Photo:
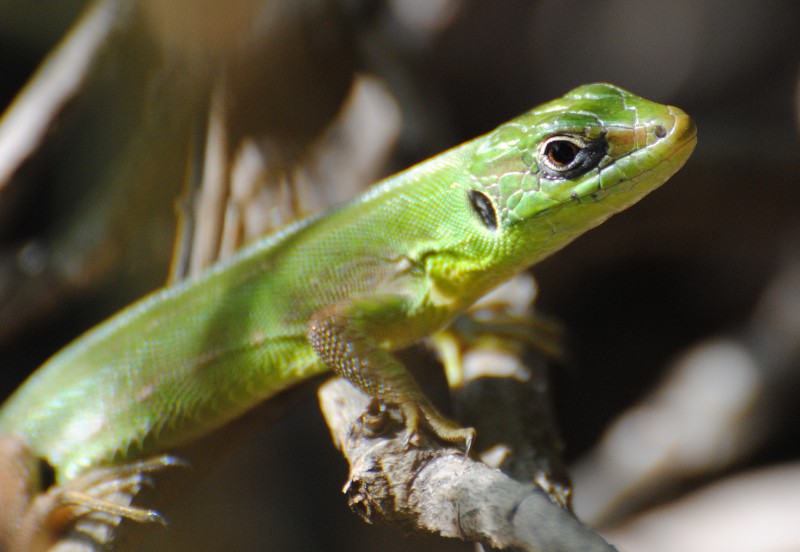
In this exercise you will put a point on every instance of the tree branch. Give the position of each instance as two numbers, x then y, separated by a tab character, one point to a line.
432	487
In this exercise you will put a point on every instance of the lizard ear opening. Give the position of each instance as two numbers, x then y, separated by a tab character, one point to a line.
47	475
482	205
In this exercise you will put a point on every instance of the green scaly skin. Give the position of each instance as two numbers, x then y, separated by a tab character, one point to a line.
344	289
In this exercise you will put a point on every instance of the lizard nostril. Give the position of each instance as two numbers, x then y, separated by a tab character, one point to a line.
660	131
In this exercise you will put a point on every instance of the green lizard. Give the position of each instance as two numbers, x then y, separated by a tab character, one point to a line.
344	289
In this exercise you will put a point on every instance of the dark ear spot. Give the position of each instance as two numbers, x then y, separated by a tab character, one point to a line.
47	475
483	206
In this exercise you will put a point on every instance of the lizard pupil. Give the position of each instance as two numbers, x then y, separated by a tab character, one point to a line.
561	152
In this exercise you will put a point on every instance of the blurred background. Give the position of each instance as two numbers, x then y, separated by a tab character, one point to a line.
149	138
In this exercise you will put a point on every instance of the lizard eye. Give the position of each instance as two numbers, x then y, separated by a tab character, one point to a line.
483	206
568	156
560	153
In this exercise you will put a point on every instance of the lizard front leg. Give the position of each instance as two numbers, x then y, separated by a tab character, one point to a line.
338	336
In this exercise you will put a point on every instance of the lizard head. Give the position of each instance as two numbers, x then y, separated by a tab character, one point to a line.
566	166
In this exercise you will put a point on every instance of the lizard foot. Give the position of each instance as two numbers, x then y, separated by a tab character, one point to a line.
90	506
445	429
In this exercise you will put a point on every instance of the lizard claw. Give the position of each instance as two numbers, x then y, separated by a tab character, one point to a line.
444	428
92	504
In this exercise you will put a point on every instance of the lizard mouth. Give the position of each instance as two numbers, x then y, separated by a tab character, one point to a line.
683	132
670	137
677	137
664	143
664	135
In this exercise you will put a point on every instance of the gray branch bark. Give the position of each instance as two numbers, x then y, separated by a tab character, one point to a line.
432	487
